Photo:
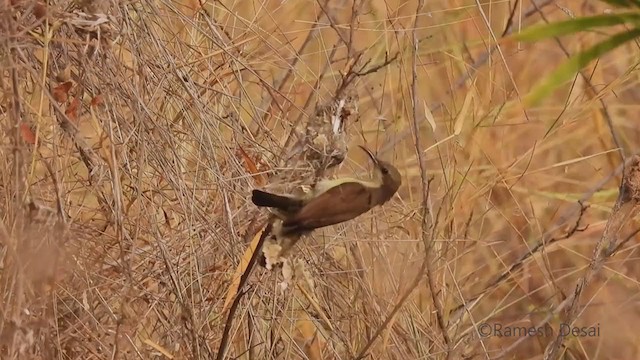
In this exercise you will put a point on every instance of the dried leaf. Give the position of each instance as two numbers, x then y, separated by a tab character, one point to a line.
242	266
457	127
97	100
158	348
27	134
429	116
312	340
61	92
72	109
39	10
252	168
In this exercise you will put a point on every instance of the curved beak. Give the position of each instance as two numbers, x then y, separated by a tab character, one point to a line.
373	157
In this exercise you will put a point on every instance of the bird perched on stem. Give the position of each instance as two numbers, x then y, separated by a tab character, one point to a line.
333	201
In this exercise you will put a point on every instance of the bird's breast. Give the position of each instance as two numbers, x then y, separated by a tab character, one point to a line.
324	185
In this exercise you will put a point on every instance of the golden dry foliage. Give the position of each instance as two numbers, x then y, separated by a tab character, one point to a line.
133	132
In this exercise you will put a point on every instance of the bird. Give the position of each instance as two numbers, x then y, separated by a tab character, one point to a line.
332	201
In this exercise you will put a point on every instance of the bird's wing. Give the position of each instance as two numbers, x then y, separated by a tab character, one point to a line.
338	204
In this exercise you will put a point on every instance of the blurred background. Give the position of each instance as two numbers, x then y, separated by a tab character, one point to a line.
133	133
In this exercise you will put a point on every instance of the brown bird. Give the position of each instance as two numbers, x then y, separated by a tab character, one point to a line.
333	201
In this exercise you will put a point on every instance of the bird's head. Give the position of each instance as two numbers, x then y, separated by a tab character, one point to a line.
387	174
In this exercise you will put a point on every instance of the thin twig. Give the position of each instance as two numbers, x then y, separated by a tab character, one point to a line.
626	206
430	257
224	341
604	109
471	70
401	302
546	238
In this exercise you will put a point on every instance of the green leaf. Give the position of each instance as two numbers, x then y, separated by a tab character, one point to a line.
624	3
566	27
569	68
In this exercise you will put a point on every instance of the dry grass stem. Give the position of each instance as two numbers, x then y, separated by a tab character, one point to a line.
134	132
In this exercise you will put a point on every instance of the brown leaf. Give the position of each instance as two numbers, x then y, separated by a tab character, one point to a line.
27	134
97	100
252	168
61	92
232	290
39	10
72	109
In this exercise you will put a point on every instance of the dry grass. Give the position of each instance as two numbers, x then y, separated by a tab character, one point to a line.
125	193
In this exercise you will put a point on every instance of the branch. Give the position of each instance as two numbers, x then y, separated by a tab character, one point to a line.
224	342
625	208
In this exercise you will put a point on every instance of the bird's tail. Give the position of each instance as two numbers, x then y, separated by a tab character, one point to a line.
284	203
